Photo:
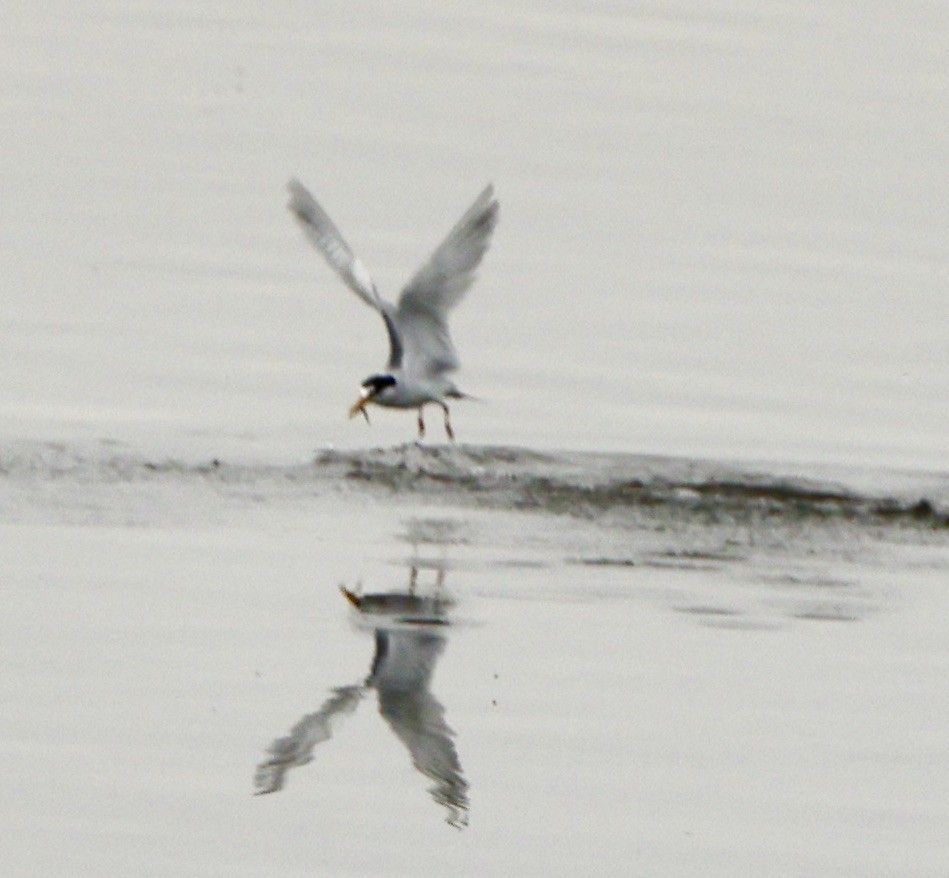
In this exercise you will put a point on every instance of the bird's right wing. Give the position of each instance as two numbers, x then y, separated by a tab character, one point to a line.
324	235
297	747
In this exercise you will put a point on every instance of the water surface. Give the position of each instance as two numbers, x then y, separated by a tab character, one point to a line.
693	543
663	688
723	227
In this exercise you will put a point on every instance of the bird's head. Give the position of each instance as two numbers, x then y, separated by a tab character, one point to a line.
374	388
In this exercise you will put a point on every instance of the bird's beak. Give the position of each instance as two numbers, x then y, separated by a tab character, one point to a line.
359	407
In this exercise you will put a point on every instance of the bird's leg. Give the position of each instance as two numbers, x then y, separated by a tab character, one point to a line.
448	430
421	424
439	585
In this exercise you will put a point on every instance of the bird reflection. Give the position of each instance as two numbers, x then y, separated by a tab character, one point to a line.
409	632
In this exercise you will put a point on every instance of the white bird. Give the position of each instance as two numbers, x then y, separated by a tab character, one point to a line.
421	353
410	633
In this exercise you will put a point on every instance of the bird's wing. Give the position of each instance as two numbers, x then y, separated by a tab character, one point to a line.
421	316
418	720
297	747
401	673
324	235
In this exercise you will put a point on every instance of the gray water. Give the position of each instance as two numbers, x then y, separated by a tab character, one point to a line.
581	664
674	605
723	226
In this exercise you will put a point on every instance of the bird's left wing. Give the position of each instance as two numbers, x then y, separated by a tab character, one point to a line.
422	312
402	671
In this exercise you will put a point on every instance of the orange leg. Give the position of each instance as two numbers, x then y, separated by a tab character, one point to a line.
448	430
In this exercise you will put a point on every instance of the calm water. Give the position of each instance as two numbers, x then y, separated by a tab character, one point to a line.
606	697
723	236
723	226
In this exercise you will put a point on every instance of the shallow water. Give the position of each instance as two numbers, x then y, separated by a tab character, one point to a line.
684	695
710	639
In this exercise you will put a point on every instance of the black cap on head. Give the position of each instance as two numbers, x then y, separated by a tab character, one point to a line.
377	383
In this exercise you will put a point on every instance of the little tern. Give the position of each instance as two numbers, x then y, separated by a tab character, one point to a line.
421	353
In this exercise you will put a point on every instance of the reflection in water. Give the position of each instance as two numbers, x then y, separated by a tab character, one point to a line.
409	636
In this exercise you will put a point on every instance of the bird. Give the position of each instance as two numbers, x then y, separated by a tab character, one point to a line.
421	353
410	633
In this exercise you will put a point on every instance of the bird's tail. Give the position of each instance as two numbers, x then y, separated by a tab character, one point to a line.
455	393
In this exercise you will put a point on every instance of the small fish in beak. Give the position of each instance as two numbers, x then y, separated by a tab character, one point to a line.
359	407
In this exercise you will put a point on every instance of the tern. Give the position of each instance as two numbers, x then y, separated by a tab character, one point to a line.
411	635
421	354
